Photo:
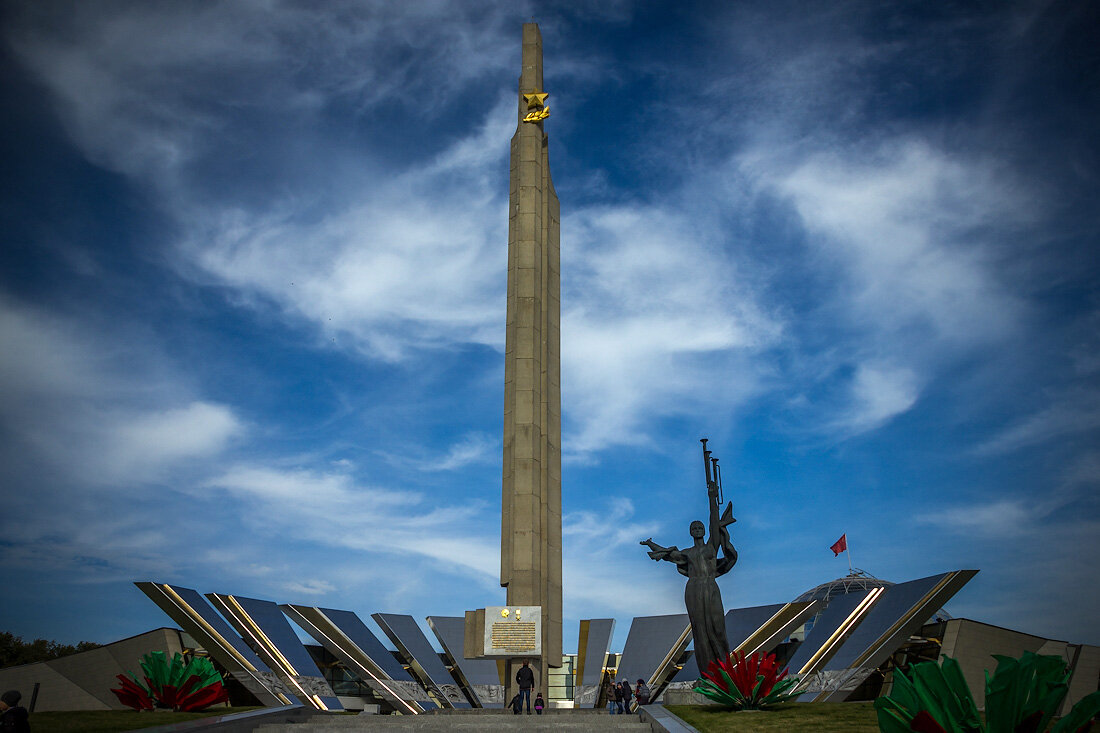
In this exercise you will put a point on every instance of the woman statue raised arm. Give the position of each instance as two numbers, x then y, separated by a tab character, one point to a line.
702	565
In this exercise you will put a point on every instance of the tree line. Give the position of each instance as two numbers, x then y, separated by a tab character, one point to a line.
15	651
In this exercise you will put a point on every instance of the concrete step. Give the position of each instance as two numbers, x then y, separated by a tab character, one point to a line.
549	712
495	720
384	728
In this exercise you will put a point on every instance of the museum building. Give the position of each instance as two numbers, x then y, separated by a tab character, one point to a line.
844	639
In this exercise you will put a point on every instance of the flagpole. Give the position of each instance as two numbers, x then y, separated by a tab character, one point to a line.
848	552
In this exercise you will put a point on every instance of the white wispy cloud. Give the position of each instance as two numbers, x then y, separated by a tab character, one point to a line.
469	449
901	221
1064	502
198	430
144	90
96	407
900	236
264	131
877	394
334	510
309	587
613	528
472	448
652	310
1005	518
600	556
279	486
910	234
414	265
44	356
417	261
1072	414
98	426
650	301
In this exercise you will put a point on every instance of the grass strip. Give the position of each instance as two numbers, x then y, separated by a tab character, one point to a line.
820	717
112	721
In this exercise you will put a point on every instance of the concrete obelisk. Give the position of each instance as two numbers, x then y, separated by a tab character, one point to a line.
530	541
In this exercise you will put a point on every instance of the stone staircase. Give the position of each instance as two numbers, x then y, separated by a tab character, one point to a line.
466	720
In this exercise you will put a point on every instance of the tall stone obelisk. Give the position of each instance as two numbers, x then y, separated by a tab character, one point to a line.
530	538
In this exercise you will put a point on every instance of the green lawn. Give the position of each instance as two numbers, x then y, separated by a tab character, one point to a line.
820	717
111	721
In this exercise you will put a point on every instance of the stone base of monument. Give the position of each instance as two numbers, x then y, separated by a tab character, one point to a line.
686	696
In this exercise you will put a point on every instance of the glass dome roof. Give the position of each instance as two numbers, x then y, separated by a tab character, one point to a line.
855	581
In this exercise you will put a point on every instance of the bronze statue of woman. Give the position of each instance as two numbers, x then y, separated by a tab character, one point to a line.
702	565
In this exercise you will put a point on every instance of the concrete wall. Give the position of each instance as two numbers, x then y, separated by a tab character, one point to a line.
1085	662
973	644
83	681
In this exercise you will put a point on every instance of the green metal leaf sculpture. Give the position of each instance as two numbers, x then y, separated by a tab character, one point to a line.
936	697
180	684
746	683
1022	696
1079	720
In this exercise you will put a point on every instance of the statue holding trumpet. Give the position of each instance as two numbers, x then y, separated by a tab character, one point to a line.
703	563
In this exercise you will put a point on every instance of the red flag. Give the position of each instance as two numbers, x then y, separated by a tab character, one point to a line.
840	545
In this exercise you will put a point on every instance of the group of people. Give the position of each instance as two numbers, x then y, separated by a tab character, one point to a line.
619	695
517	702
525	678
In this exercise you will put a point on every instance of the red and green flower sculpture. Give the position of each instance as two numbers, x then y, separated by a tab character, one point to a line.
181	685
1022	696
746	683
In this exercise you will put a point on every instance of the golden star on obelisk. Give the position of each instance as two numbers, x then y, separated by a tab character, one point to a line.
535	100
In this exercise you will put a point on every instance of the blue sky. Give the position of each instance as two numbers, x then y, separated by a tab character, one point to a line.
253	287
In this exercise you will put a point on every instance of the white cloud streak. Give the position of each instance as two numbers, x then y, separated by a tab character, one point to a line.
96	409
417	262
333	510
652	313
144	89
473	448
414	266
1069	415
600	553
665	312
878	393
901	222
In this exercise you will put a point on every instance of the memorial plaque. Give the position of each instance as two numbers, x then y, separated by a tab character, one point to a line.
514	637
513	631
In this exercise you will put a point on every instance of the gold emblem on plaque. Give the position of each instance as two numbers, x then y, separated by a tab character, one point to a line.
504	612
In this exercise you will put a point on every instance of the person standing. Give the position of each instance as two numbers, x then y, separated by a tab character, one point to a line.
625	693
642	693
612	698
539	704
525	678
13	716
